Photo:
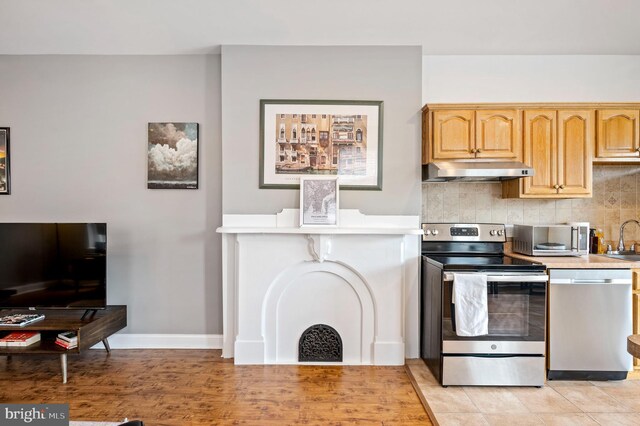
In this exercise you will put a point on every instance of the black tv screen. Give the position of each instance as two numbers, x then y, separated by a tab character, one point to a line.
53	265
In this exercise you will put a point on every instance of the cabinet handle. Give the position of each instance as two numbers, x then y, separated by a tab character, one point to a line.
478	151
638	149
473	150
556	186
561	186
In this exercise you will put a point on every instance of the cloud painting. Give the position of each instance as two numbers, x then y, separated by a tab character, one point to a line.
173	156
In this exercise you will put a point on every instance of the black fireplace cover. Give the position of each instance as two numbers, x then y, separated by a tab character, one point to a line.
320	343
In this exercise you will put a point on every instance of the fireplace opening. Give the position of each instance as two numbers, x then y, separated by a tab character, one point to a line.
320	343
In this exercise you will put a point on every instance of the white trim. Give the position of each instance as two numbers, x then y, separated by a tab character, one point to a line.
351	222
163	341
317	230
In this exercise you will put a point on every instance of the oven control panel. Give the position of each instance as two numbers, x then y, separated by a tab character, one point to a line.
464	231
488	232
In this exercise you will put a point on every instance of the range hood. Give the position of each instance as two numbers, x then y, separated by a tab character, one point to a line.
470	171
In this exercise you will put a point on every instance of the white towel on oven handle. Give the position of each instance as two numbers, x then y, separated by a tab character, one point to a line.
469	296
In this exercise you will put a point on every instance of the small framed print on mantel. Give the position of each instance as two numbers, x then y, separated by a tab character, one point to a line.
319	200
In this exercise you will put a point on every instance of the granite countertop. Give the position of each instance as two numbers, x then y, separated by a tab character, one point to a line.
590	261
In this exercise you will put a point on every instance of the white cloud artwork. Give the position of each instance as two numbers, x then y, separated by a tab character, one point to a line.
173	156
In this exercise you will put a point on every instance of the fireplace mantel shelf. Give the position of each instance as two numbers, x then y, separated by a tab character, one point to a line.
352	222
318	230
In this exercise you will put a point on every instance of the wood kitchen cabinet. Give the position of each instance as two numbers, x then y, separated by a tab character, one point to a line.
557	132
540	152
558	145
498	134
453	135
575	147
618	134
465	134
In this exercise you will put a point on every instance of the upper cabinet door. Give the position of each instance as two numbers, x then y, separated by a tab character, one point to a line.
575	145
618	134
453	134
498	134
540	152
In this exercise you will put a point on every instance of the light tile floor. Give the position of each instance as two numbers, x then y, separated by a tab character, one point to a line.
558	403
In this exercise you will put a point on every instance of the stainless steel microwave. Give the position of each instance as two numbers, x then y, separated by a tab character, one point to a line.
570	239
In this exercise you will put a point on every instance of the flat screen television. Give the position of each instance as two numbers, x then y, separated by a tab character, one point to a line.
53	265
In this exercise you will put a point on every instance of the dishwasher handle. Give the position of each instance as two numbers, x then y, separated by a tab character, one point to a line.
619	281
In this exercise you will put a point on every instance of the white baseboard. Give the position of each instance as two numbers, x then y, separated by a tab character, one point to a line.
163	341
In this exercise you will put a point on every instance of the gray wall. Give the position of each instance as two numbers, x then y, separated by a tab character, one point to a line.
78	153
391	74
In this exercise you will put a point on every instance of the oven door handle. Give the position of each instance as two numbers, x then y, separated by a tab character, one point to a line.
540	278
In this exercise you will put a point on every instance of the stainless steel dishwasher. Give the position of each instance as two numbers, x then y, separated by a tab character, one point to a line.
589	322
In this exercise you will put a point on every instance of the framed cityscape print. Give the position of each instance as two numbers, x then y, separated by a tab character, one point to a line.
319	201
5	164
172	156
321	138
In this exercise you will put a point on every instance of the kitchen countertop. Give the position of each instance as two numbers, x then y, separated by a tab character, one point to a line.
591	261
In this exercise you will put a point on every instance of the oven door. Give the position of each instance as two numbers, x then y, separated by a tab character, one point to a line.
516	307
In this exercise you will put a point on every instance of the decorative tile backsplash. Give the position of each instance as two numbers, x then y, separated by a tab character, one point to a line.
616	198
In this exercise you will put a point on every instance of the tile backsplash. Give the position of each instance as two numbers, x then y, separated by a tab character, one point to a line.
616	198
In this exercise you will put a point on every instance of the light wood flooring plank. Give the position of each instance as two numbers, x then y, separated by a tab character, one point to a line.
198	387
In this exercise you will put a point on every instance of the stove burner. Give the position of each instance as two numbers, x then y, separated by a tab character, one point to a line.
453	262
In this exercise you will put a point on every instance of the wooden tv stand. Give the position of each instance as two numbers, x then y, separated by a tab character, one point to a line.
91	329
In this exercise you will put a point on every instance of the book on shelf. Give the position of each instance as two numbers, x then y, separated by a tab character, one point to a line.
65	344
20	338
19	320
68	336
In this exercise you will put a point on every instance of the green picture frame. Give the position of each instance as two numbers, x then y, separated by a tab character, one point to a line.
321	138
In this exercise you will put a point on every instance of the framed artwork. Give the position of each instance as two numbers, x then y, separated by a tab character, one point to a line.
320	137
319	200
172	156
5	164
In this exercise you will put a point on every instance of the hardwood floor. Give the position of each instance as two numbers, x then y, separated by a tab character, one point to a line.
198	387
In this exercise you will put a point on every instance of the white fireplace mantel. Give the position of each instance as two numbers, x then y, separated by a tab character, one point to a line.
288	222
361	278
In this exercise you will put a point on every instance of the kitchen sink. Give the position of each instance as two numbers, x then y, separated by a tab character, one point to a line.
629	257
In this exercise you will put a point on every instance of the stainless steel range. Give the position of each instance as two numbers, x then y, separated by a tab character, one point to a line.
512	352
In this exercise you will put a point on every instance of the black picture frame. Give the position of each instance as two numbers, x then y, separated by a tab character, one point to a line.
284	158
5	161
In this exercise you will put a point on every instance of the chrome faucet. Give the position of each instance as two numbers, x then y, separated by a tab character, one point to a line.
621	242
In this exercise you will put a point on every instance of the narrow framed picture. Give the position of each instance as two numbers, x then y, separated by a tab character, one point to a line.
318	138
5	163
319	200
172	156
